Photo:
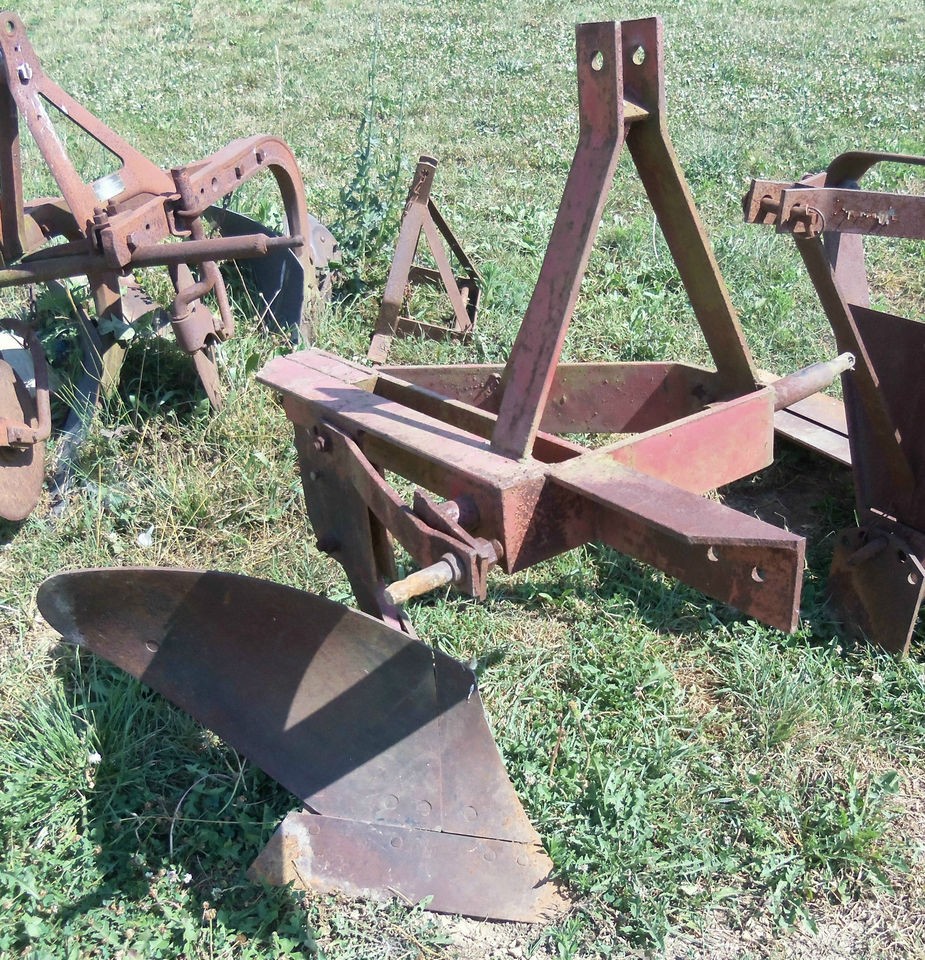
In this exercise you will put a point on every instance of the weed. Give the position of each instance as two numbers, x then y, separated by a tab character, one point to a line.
367	220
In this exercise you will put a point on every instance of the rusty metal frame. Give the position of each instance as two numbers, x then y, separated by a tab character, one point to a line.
122	222
484	437
119	223
421	217
877	581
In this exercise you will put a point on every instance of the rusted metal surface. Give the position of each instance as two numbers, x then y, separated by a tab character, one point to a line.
120	222
877	583
875	580
472	435
360	721
528	374
384	739
421	217
454	872
25	419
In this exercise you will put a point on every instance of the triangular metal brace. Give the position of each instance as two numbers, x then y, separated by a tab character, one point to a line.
421	216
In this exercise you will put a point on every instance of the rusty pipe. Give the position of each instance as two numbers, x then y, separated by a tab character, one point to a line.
440	574
810	380
42	270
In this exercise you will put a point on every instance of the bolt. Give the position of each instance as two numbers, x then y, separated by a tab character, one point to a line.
25	72
322	443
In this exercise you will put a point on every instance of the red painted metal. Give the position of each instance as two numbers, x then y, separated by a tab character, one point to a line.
472	434
119	223
383	739
25	420
876	577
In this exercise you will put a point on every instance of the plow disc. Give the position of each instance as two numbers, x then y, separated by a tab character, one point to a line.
382	738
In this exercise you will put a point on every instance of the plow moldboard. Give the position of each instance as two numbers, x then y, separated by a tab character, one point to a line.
360	721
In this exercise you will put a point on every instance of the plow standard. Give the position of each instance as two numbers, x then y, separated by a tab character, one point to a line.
382	738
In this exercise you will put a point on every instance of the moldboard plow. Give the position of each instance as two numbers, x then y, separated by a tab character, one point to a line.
109	228
382	738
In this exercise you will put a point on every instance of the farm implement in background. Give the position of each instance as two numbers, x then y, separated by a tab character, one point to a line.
381	737
108	229
421	217
877	577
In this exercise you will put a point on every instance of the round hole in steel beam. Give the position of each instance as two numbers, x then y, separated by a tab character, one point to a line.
757	574
9	26
913	579
639	56
597	60
712	554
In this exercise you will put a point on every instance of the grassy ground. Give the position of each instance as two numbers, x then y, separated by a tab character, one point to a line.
718	789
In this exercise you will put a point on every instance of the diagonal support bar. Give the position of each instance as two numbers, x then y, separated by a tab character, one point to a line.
532	364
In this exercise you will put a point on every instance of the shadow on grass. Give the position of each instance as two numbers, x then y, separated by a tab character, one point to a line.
123	814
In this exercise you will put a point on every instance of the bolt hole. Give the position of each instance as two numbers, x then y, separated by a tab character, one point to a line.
639	56
597	60
9	27
152	646
712	554
215	183
901	557
757	574
913	579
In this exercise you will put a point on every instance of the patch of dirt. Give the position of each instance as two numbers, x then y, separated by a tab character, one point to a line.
800	492
482	940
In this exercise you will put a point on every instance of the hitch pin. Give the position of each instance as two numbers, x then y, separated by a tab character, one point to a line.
445	571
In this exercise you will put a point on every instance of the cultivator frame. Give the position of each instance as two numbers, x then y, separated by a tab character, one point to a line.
516	494
877	580
119	224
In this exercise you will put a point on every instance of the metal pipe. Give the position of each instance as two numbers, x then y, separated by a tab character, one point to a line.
440	574
810	380
161	254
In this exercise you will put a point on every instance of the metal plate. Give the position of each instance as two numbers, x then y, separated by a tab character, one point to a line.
876	586
489	879
357	719
21	468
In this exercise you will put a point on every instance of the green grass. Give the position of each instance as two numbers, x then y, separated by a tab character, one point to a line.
703	783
